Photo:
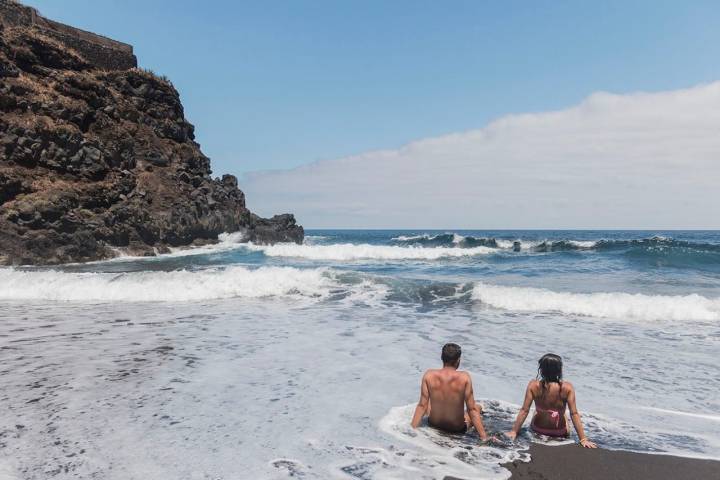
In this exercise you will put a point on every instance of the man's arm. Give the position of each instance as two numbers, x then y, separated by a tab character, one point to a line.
473	410
423	403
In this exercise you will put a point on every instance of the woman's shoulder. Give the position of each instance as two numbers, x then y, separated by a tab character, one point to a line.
533	385
567	387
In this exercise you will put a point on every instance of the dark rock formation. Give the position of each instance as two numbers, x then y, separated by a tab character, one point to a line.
92	159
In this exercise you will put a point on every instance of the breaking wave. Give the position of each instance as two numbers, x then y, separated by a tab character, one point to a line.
349	251
611	305
447	240
173	286
540	245
654	251
226	242
468	241
319	284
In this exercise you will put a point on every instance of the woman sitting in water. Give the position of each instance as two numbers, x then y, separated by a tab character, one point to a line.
551	395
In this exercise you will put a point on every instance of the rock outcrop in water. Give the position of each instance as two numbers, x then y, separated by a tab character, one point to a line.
96	154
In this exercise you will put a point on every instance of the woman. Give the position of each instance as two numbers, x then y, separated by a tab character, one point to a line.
551	395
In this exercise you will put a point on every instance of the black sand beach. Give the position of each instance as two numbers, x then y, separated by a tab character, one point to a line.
570	462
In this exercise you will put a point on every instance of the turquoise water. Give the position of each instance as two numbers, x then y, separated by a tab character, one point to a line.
242	361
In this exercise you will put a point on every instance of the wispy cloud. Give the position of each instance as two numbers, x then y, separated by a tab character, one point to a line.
642	160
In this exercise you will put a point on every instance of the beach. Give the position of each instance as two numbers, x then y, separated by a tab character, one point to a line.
304	361
530	189
569	462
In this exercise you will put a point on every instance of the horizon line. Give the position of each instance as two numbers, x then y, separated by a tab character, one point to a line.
526	229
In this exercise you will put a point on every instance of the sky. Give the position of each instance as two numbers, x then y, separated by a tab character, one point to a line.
426	114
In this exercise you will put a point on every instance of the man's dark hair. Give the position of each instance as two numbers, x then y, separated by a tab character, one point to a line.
451	353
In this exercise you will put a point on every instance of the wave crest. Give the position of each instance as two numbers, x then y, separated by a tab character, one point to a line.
349	251
611	305
318	284
173	286
447	240
655	243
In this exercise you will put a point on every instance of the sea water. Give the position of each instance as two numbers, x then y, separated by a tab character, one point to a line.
239	361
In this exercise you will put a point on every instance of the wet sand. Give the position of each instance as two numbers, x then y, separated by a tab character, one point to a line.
570	462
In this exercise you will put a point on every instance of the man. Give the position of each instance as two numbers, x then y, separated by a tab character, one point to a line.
442	395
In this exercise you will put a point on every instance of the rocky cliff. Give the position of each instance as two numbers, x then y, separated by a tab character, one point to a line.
94	159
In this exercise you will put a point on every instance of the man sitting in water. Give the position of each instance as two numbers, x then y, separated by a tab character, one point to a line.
442	394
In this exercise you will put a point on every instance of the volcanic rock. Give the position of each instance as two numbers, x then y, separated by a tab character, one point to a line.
96	157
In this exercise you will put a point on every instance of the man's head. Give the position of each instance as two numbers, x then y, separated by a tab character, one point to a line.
451	355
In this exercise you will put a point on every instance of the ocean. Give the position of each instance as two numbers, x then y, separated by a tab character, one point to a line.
237	361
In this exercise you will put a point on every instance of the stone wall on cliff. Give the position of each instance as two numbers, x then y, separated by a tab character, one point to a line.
93	160
102	52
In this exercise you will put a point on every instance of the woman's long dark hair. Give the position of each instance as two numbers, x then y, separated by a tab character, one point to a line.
549	369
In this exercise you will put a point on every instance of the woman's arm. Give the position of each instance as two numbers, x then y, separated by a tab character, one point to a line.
575	416
523	413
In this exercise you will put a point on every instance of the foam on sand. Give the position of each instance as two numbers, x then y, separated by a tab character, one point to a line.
462	456
457	455
611	305
349	251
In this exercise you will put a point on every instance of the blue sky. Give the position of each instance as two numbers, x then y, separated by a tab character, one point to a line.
276	84
453	114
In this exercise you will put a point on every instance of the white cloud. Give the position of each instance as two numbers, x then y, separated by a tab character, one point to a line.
643	160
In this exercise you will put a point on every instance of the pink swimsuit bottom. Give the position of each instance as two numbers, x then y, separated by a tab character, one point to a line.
557	417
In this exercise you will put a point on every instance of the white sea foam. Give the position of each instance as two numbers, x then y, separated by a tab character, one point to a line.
349	251
702	416
8	472
583	243
453	455
456	240
531	244
412	238
524	244
313	239
612	305
226	242
504	244
180	285
507	244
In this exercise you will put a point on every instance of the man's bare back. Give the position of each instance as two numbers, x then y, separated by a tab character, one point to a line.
444	393
446	387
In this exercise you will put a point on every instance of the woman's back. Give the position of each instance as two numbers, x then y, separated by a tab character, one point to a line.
550	401
551	395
